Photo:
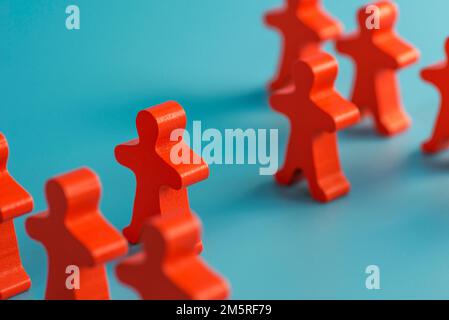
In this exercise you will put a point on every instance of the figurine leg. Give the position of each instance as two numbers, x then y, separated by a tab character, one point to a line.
389	114
13	278
326	179
291	171
440	138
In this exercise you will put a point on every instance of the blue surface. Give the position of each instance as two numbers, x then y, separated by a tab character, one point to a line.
69	97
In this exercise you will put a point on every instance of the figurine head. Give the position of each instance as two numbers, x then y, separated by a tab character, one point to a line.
378	17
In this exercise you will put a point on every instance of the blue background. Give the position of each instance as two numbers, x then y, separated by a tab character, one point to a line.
68	97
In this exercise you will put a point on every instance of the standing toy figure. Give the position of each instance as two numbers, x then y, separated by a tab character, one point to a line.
304	26
168	267
438	75
316	112
379	53
161	183
78	240
14	202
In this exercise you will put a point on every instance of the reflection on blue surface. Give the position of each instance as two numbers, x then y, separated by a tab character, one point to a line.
69	97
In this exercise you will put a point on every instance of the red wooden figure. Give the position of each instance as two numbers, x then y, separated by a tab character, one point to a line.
78	240
14	202
304	26
438	75
161	183
379	53
316	112
169	267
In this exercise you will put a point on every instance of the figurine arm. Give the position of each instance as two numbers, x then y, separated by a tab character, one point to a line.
398	53
337	113
323	26
281	99
274	19
346	45
180	175
124	153
14	200
434	74
98	241
35	224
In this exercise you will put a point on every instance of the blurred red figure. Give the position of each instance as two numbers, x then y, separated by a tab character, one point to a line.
316	112
379	53
169	267
304	26
161	184
14	202
75	234
438	75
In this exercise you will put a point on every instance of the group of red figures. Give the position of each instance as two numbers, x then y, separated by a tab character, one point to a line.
74	232
303	88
